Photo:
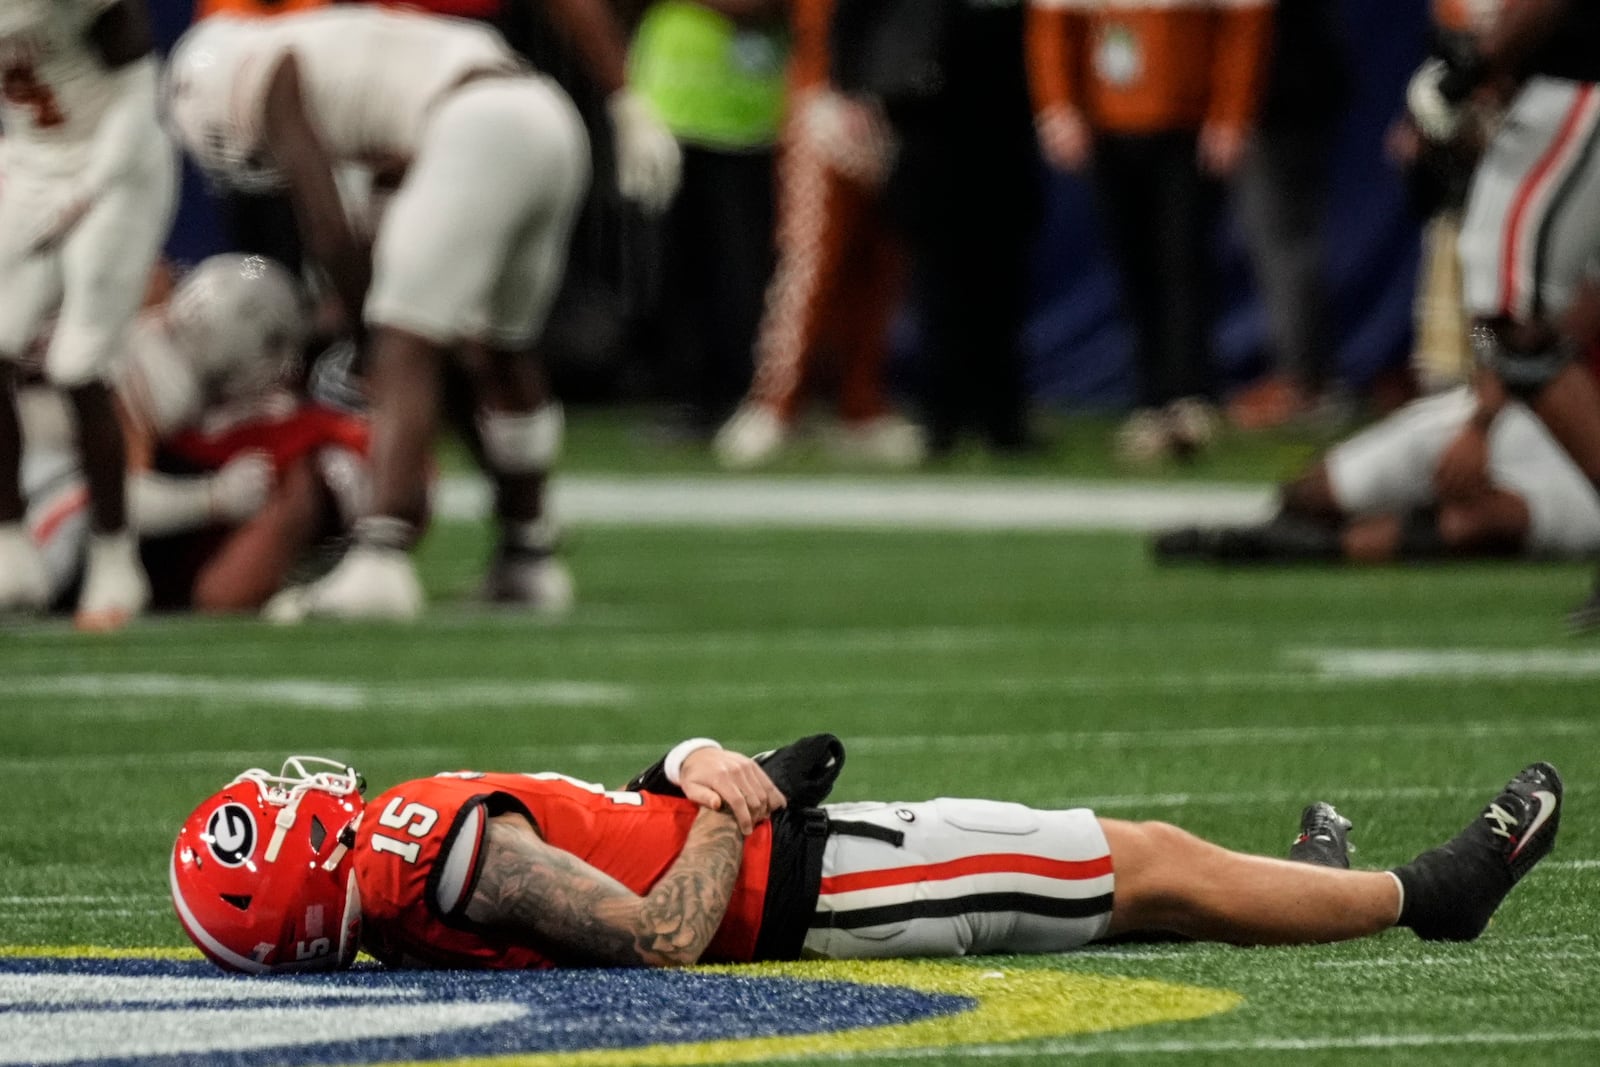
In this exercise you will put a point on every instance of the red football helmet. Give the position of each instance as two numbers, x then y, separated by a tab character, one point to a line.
261	873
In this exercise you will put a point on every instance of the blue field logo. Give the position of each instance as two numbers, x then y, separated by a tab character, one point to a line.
150	1011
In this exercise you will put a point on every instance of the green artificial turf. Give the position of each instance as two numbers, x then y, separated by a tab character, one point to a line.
1051	669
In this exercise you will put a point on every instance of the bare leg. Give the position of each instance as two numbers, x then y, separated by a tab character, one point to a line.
519	430
513	383
404	381
10	446
253	562
1373	539
1570	407
376	578
1168	879
1311	495
105	460
1496	522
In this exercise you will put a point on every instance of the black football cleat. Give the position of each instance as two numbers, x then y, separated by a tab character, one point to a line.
1451	891
1324	837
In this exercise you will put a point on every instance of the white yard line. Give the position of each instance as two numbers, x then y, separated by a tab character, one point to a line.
1315	1043
626	753
923	502
1393	664
120	696
316	693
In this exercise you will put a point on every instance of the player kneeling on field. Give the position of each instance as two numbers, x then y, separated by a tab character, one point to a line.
712	856
1383	495
232	476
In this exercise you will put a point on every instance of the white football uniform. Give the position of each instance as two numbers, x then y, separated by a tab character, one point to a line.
1532	226
58	98
1388	468
954	877
158	386
472	245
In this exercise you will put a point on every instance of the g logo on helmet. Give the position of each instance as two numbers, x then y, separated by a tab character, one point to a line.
231	834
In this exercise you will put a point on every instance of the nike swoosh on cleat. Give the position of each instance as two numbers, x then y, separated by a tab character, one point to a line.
1547	807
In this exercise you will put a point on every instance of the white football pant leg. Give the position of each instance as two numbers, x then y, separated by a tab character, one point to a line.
1563	508
105	267
1388	467
496	164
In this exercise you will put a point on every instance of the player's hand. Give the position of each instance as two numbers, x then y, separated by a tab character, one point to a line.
649	161
57	220
1221	148
240	488
1064	138
852	133
1436	110
728	781
1463	469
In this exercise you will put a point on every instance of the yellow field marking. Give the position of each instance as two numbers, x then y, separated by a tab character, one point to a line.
1016	1005
96	952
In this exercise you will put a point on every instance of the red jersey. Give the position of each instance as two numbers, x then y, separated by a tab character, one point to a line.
285	438
419	845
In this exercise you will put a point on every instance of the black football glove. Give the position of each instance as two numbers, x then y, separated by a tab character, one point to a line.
805	770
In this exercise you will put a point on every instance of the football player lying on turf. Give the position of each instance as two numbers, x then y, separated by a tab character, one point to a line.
713	856
1382	496
232	477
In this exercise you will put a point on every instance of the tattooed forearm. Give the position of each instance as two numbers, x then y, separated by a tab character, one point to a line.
681	914
580	915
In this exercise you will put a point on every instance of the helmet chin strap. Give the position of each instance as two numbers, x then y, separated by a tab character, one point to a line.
283	824
346	839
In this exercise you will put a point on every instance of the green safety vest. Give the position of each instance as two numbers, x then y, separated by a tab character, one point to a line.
714	83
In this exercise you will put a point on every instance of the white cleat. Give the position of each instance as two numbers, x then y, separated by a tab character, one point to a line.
891	441
23	586
754	435
541	583
368	583
115	588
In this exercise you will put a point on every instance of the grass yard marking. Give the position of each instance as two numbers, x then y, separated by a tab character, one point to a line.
1474	960
322	695
1401	664
1264	1044
920	503
591	753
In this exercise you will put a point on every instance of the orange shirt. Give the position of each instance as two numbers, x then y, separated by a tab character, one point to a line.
252	8
809	52
411	904
1143	66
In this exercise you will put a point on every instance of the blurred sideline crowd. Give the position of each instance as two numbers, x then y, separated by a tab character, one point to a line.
451	212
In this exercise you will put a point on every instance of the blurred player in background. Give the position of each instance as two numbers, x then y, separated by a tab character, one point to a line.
232	476
89	184
1377	498
1532	227
492	165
